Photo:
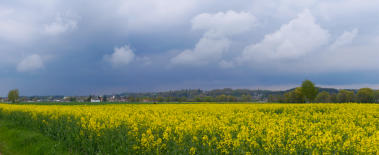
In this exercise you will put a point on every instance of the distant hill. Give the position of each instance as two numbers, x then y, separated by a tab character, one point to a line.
198	95
192	93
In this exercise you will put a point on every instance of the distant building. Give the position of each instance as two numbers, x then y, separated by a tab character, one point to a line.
146	100
96	99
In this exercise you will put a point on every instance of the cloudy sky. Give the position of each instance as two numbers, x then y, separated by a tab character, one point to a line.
57	47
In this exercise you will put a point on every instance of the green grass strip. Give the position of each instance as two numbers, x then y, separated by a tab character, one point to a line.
16	140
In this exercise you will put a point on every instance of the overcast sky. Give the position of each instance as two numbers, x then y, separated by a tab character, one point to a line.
60	47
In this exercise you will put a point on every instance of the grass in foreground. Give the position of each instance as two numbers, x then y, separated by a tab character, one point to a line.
16	140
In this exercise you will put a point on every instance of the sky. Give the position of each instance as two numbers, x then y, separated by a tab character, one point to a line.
60	47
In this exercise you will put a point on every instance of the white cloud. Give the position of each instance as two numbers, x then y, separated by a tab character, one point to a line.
62	23
226	64
15	25
207	50
214	43
30	63
224	24
144	60
293	40
142	14
121	56
332	10
345	39
282	9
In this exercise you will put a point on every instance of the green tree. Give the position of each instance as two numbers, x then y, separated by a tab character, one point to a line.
276	98
333	98
246	98
309	90
88	99
197	99
182	99
221	98
72	99
105	99
366	95
295	96
132	99
376	96
230	98
208	99
323	97
13	95
345	96
160	99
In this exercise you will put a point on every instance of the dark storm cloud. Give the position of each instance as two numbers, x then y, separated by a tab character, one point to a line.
87	47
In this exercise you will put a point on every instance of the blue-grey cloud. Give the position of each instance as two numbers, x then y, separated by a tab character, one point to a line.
61	47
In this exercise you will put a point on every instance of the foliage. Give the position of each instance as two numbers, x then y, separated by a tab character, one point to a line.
13	95
333	98
365	95
275	99
295	96
246	98
323	97
206	128
309	90
345	96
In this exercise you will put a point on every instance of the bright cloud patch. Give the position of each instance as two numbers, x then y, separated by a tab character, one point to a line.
297	38
30	63
15	25
145	14
223	24
121	56
206	50
62	24
214	42
345	39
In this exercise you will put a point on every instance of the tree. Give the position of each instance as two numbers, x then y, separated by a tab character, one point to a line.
276	98
366	95
88	99
376	93
309	90
345	96
333	98
246	98
105	99
132	99
221	98
208	99
13	95
160	99
182	99
295	96
323	97
197	99
73	99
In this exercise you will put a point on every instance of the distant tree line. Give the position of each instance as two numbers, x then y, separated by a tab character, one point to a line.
306	93
309	93
199	98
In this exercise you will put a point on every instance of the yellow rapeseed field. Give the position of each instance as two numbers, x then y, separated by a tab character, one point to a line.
206	128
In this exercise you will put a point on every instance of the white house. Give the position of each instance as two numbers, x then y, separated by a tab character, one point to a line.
95	100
